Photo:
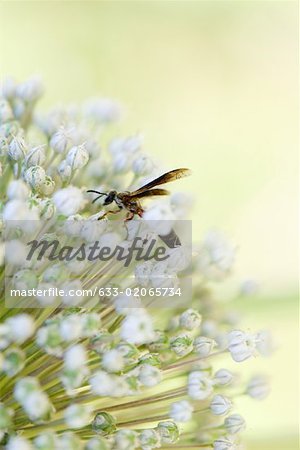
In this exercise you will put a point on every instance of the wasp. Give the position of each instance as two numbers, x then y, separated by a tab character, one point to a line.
130	201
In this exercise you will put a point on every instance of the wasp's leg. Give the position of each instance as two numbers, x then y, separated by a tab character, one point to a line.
129	216
109	212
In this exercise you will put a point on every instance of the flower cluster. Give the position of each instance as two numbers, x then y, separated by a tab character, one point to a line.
111	376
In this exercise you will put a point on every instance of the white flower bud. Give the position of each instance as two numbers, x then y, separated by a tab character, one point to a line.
264	343
30	90
36	156
220	405
123	386
15	253
168	432
73	379
121	163
123	304
77	157
17	213
224	443
76	267
142	165
160	218
34	401
102	383
142	273
73	224
6	113
14	361
24	387
116	146
149	439
77	416
10	129
222	341
17	148
55	273
75	357
97	168
179	258
113	361
17	189
19	108
160	342
249	287
258	387
61	140
35	176
68	441
162	277
223	377
70	328
18	443
8	87
47	297
21	327
46	441
182	344
216	256
190	319
204	345
73	292
234	424
48	338
126	440
241	345
91	230
96	443
110	240
181	411
93	147
69	200
37	405
46	208
132	144
149	375
64	170
90	324
3	146
103	110
200	386
137	327
181	204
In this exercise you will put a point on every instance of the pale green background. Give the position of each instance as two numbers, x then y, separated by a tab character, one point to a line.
212	86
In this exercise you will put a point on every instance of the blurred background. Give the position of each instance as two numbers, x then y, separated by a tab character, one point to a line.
211	86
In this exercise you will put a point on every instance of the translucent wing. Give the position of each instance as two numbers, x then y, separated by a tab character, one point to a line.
165	178
149	193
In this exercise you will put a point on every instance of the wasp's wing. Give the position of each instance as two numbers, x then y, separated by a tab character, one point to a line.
149	193
165	178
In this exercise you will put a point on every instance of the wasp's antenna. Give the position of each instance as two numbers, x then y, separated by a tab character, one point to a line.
97	192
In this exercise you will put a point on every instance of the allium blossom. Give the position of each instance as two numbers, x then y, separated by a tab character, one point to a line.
115	373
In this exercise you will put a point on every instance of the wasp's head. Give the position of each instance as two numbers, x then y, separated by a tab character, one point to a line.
110	197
